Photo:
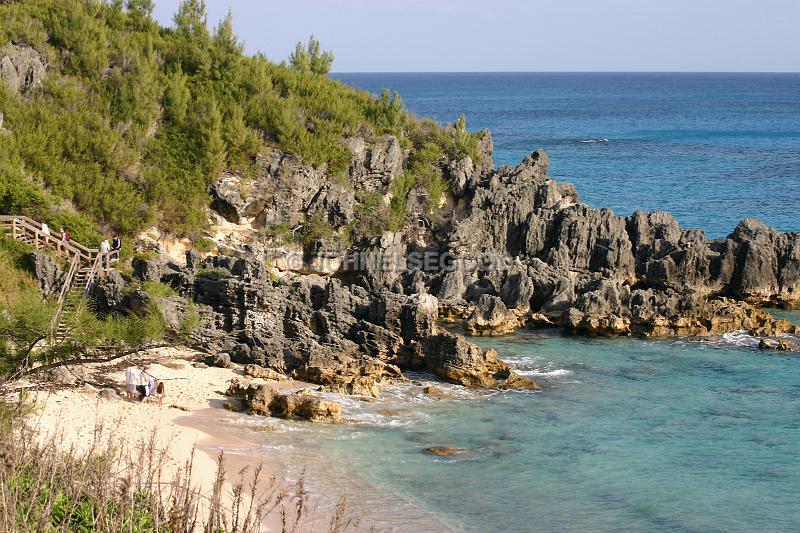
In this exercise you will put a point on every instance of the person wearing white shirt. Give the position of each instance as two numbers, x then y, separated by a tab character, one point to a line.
105	248
132	379
45	232
148	381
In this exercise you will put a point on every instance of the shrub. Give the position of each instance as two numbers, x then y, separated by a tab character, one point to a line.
216	272
94	139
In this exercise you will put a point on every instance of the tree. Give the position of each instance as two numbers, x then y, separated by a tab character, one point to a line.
311	58
176	98
192	41
226	54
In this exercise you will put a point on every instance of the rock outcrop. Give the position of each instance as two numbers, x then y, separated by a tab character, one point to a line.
552	259
300	405
46	270
21	67
520	247
348	338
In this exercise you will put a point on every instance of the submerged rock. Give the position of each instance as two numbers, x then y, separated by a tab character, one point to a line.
443	451
783	345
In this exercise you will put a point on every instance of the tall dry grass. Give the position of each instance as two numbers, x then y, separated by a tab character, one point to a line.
111	486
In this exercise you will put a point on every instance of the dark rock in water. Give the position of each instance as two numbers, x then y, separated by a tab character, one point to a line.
443	451
436	392
783	345
491	317
233	405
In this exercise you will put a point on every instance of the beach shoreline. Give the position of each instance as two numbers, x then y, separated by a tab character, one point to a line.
82	418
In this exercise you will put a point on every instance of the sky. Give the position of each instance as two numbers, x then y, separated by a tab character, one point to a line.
517	35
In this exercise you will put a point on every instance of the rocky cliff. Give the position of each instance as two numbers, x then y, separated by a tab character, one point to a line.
588	269
511	247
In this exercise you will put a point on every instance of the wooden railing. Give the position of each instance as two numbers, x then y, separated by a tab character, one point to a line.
81	257
21	226
65	287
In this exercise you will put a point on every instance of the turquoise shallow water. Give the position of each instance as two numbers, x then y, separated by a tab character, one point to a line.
676	435
679	435
629	435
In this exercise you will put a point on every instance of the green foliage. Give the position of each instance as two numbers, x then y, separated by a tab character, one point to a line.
315	229
371	214
217	272
158	290
190	321
203	245
398	206
311	58
135	121
279	233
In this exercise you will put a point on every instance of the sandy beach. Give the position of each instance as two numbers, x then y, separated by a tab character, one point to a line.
74	416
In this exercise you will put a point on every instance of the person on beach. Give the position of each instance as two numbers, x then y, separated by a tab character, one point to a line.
132	378
160	393
148	383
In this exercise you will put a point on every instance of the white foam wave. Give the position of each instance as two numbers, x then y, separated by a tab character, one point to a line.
739	338
594	140
546	373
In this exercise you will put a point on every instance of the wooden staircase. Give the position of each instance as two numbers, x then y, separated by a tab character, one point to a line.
86	265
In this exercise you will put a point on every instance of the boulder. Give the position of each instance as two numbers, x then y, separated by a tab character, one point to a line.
783	345
148	269
443	451
46	270
62	375
491	317
22	67
259	372
301	405
221	360
436	392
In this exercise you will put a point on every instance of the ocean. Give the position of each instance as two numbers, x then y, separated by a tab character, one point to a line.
710	148
675	435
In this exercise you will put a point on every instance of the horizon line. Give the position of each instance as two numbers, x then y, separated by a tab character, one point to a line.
567	72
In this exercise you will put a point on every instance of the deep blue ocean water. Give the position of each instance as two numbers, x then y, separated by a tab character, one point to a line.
677	435
710	148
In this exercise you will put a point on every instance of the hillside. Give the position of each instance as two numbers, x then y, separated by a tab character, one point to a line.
113	123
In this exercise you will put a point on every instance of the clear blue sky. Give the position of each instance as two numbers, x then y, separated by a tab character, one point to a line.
518	35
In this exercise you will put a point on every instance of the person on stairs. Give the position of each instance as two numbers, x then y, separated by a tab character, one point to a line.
45	233
62	245
105	248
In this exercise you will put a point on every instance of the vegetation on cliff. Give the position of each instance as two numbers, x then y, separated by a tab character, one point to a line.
133	121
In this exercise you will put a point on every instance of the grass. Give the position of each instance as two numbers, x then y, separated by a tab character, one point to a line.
110	485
